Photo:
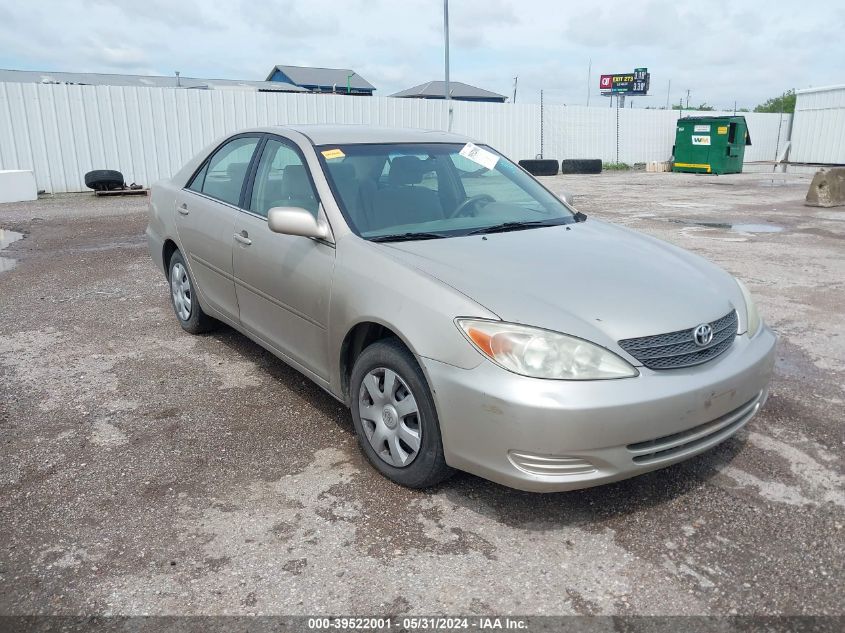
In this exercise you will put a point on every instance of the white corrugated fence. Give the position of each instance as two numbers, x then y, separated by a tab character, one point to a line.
63	131
818	134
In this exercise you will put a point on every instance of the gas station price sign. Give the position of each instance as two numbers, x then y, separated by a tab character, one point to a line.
634	83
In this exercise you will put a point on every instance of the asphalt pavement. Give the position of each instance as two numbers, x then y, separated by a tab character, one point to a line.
144	470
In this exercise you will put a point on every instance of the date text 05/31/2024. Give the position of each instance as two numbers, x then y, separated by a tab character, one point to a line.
416	623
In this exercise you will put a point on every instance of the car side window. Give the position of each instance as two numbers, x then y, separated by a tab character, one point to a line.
282	180
223	176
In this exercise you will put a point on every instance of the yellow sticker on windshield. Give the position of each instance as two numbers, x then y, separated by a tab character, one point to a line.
328	154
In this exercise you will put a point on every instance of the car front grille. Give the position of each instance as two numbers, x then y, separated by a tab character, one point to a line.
696	438
679	349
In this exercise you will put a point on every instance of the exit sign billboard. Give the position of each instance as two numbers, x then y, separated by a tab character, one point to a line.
634	83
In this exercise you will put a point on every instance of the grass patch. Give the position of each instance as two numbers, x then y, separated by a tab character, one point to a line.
615	166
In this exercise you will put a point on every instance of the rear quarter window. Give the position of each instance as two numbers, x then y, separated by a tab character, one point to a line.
224	173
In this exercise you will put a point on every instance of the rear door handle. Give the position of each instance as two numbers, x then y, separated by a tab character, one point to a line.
243	238
183	209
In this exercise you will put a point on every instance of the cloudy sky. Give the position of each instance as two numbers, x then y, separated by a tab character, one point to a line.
722	51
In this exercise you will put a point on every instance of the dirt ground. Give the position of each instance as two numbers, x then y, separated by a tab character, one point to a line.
143	470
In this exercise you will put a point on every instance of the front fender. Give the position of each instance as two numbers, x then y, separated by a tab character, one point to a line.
371	285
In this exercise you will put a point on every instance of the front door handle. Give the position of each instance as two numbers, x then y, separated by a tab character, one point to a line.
243	238
183	209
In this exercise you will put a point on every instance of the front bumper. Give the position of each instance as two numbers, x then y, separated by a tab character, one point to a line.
551	435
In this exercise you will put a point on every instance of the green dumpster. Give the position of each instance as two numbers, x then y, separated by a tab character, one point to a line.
710	144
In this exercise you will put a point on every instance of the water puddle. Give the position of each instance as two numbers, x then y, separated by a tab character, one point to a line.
756	228
728	226
6	238
775	181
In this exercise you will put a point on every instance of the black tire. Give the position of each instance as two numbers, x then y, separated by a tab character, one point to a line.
539	167
197	321
580	166
104	180
429	466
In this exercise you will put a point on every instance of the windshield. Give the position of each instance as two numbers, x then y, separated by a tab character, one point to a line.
397	190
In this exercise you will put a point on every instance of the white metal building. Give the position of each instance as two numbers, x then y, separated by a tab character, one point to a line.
818	131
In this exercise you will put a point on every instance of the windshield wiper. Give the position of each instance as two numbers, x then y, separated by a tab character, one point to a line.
406	237
504	227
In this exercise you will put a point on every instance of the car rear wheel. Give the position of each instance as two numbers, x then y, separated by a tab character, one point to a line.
394	416
185	303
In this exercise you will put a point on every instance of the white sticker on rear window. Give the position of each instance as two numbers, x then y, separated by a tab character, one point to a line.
479	155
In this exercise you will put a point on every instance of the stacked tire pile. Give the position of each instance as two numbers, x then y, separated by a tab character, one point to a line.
580	166
547	167
540	167
104	180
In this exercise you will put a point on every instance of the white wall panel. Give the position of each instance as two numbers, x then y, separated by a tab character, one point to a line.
63	131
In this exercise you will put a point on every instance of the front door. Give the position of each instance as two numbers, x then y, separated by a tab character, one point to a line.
206	212
283	282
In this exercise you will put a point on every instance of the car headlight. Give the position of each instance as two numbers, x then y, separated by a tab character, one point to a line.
752	316
538	353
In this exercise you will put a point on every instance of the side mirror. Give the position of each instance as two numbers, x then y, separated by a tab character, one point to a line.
296	221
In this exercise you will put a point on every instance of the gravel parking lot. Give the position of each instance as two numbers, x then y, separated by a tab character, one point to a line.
143	470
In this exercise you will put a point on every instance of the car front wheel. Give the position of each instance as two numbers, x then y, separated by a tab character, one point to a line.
394	416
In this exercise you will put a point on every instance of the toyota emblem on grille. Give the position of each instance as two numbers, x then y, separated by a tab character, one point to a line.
703	334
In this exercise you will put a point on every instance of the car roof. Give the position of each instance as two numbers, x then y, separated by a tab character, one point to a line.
351	134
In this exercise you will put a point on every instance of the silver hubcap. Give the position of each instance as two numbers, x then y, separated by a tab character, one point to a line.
390	417
180	288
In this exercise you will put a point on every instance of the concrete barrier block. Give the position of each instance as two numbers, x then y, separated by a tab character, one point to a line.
17	185
827	188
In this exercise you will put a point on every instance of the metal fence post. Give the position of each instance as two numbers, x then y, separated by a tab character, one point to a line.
541	124
617	129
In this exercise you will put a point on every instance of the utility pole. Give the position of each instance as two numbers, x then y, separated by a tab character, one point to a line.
178	81
589	72
515	80
668	90
446	91
687	98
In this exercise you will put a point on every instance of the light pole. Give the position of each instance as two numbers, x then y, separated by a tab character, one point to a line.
446	91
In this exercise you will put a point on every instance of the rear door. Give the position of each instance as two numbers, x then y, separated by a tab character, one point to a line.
206	212
283	282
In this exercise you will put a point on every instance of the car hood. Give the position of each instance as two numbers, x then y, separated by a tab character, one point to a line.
595	280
